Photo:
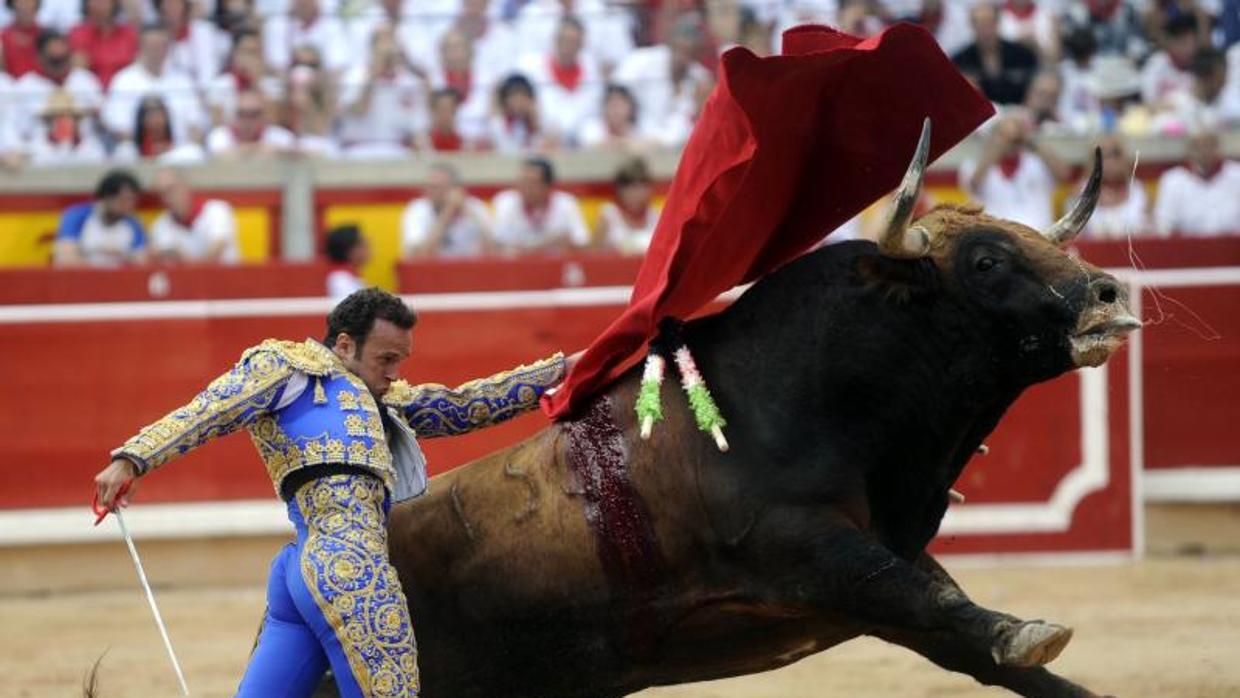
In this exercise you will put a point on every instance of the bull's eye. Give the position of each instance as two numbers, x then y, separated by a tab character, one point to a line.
987	263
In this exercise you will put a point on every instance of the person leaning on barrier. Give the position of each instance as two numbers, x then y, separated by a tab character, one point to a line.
338	432
103	232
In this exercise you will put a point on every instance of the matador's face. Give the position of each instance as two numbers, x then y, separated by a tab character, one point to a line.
378	360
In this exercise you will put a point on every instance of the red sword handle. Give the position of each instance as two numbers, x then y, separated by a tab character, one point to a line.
101	511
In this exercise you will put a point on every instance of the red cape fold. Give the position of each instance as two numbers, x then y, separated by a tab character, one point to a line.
786	149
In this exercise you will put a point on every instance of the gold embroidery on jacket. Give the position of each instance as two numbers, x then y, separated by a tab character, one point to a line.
437	410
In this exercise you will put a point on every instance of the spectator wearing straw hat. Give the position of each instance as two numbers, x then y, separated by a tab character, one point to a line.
64	134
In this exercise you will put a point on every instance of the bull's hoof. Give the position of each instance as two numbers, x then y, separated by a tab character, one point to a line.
1033	643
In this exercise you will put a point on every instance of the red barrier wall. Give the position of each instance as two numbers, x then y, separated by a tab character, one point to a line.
75	387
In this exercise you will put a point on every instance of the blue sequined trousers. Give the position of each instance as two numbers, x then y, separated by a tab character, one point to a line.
333	598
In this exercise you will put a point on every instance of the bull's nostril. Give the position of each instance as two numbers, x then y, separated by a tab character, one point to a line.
1107	294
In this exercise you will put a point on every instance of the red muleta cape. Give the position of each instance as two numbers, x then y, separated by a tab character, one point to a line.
786	149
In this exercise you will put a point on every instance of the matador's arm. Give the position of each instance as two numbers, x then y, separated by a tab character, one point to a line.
231	402
437	410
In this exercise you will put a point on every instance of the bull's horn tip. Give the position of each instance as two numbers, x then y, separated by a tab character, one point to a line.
983	449
955	496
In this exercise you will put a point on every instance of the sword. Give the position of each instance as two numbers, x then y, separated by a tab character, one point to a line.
101	512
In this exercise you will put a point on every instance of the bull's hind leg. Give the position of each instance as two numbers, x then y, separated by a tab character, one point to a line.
919	606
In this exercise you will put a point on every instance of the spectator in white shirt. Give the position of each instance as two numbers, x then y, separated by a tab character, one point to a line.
1015	177
413	39
246	68
618	128
383	102
1204	102
305	24
494	44
1123	208
194	41
520	126
308	109
460	70
347	252
669	83
64	135
609	31
1167	71
56	73
534	217
250	134
444	135
1078	106
447	221
1033	24
191	228
626	225
1201	197
570	85
151	74
153	137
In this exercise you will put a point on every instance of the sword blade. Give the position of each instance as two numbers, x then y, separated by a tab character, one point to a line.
150	599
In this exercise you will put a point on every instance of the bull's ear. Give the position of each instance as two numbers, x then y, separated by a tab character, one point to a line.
899	279
897	239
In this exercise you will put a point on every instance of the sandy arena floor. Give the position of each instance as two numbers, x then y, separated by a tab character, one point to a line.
1163	628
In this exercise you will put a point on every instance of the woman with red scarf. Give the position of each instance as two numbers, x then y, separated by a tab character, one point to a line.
153	137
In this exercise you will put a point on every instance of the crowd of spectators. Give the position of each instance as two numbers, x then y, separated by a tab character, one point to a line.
535	215
183	80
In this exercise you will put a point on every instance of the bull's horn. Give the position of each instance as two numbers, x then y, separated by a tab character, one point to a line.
1067	228
897	239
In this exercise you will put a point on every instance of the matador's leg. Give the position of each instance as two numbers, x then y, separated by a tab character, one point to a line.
288	659
348	591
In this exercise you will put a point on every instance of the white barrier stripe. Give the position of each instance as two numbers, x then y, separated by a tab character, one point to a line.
1192	484
147	522
1179	278
295	307
463	301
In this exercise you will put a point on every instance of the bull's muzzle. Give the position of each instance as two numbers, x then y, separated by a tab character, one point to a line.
1103	324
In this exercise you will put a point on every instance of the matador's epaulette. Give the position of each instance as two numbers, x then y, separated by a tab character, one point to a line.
309	357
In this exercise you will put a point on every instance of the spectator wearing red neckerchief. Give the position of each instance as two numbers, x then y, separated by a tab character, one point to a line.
519	126
568	80
1168	71
444	135
1015	178
246	70
194	41
535	217
250	133
192	228
1031	24
55	72
100	42
459	69
20	39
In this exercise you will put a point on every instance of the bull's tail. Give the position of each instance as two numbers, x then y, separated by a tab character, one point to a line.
90	682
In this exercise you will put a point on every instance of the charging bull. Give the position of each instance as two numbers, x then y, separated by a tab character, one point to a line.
858	381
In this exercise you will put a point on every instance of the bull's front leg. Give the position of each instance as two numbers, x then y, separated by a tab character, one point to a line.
922	608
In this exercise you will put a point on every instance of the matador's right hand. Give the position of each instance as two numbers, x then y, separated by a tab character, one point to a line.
110	481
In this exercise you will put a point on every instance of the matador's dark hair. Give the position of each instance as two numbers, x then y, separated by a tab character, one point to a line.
356	315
